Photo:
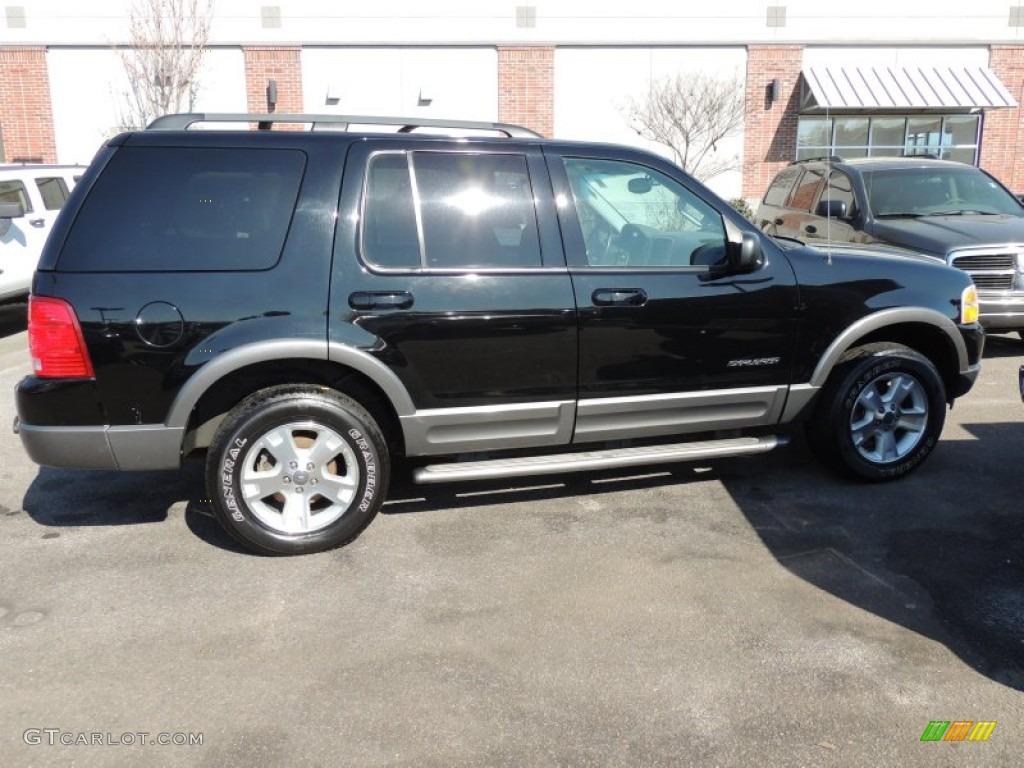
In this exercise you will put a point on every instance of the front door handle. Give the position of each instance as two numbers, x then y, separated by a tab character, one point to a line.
37	223
619	297
380	300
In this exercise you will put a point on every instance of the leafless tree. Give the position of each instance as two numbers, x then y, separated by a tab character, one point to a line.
690	113
166	42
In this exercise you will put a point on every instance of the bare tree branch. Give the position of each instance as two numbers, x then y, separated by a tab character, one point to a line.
690	113
167	39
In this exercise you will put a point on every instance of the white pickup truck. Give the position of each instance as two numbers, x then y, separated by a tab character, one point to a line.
30	198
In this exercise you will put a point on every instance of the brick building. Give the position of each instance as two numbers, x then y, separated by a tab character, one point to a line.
895	78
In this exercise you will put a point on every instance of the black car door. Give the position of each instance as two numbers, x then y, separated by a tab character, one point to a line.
449	270
668	343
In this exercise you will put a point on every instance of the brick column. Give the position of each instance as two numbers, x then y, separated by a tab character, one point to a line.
526	87
26	115
1002	132
769	130
280	63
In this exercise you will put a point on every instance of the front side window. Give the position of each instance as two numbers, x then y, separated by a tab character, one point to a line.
839	188
635	216
172	209
476	211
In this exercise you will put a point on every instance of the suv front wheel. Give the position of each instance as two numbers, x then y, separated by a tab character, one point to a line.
296	469
880	414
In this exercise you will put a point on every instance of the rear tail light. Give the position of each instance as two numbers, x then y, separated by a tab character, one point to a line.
55	340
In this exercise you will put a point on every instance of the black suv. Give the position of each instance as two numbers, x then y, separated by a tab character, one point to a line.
957	213
305	306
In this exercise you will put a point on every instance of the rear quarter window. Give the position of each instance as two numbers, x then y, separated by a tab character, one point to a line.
157	209
779	190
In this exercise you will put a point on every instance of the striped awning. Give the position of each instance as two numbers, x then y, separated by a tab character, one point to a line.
916	87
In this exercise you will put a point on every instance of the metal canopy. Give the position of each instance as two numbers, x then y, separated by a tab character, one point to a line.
916	87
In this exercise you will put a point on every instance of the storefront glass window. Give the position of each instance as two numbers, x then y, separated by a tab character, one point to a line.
951	137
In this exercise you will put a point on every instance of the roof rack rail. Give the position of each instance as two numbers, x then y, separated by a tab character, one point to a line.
182	121
827	158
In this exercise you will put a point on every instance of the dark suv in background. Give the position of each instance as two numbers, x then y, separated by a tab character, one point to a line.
957	213
304	306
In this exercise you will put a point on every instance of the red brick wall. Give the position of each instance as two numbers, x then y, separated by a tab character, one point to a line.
1002	131
283	64
26	117
769	132
526	87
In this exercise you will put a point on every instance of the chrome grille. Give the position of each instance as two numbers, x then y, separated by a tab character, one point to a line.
1000	261
992	268
986	282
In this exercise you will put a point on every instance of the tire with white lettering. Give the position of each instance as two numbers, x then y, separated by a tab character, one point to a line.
295	469
880	414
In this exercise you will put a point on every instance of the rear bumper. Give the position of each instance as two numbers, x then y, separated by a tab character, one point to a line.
134	447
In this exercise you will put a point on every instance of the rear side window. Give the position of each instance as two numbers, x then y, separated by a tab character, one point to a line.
779	190
156	209
15	192
53	190
807	189
449	210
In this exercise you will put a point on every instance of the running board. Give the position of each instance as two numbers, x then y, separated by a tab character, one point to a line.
554	464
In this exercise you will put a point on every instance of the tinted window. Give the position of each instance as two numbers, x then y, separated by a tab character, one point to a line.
14	192
157	209
390	238
839	188
779	190
634	216
54	192
806	189
477	210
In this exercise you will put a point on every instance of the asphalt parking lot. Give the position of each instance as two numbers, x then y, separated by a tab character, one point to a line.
741	612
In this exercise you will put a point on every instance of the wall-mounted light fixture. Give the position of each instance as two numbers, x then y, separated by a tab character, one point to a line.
424	99
773	91
333	93
271	94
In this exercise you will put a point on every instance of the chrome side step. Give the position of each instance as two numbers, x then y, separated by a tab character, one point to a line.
554	464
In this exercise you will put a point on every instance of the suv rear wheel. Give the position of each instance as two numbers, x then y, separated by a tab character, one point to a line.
296	469
880	414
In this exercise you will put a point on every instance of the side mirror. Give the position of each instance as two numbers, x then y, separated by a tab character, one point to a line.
11	210
746	255
832	209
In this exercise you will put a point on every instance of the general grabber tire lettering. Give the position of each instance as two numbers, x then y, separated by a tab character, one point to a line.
295	469
880	414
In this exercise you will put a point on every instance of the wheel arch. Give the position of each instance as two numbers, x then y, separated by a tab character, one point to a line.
228	379
925	330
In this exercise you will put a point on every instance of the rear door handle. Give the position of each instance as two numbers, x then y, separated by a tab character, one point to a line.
380	300
37	223
619	297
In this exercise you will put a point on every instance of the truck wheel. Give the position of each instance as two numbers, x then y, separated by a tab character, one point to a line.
880	414
297	469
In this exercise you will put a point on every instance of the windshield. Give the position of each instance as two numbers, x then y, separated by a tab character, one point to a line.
937	192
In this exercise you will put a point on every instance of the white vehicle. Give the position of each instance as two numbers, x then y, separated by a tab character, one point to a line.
30	198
